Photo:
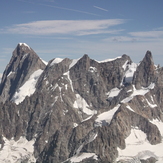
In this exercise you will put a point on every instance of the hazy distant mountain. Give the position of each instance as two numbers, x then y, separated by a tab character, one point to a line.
80	110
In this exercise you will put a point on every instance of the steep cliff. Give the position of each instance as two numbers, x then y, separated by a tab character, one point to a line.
81	110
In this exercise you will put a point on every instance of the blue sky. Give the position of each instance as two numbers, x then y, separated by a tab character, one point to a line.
102	29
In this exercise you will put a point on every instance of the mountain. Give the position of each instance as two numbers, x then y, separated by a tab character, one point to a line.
23	64
80	110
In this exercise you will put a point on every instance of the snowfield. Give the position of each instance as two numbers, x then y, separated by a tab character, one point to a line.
28	88
17	151
138	147
106	117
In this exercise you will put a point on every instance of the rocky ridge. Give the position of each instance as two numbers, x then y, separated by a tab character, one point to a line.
81	110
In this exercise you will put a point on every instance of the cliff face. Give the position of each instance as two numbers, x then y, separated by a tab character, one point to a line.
81	110
24	62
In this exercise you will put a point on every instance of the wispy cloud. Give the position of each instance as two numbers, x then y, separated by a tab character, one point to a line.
73	27
69	9
138	36
100	8
100	32
121	39
147	34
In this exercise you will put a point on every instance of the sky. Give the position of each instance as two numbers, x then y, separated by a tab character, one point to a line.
103	29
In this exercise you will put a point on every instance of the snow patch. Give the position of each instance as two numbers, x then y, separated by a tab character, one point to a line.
125	65
17	151
87	118
24	56
73	63
106	117
24	45
68	76
138	147
80	103
56	61
55	100
75	125
130	72
109	60
151	105
128	107
159	124
28	88
46	63
113	92
92	69
10	73
82	156
136	92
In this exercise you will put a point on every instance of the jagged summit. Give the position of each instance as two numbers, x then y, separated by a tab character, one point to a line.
80	110
24	62
145	73
24	44
20	43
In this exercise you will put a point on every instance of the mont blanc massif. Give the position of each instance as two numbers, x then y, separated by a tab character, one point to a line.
80	110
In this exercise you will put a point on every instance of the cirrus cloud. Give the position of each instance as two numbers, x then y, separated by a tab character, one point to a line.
147	34
73	27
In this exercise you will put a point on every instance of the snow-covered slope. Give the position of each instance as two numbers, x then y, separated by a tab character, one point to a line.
28	88
138	147
17	151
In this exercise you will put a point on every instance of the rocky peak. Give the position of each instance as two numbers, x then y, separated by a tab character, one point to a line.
24	62
22	48
145	73
81	107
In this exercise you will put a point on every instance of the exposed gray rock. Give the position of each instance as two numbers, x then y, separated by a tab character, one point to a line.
23	63
149	160
145	73
61	114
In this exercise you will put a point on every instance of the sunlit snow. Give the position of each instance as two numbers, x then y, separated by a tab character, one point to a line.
56	61
151	105
17	151
106	117
28	88
82	156
74	61
68	77
138	147
109	60
136	92
130	72
159	124
92	69
124	66
9	73
128	107
44	61
24	45
82	104
113	92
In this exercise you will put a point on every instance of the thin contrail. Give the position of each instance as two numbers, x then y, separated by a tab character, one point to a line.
100	8
63	8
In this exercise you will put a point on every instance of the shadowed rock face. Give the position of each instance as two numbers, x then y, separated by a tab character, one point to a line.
70	96
23	63
145	73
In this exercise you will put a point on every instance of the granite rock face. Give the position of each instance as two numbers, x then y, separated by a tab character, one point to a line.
145	73
82	110
23	63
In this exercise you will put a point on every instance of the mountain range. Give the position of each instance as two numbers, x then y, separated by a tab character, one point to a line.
80	110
